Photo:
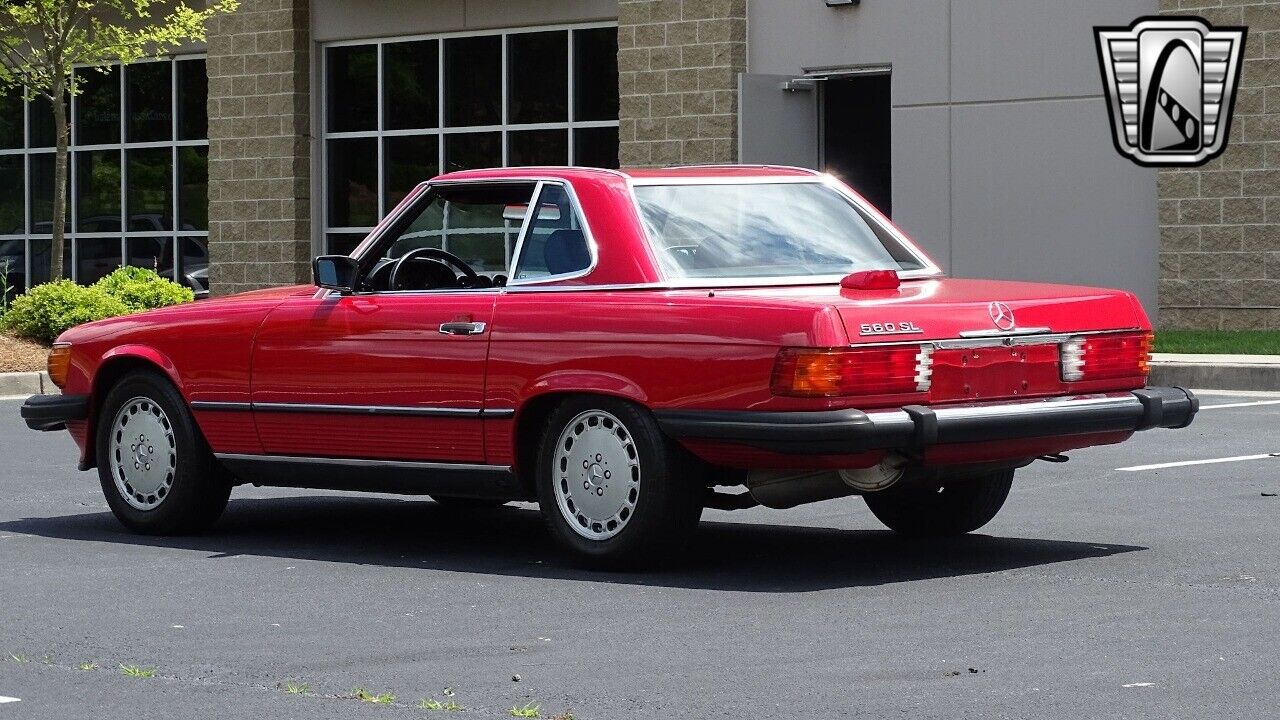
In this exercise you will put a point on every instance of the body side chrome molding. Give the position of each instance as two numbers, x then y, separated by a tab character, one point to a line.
345	462
391	410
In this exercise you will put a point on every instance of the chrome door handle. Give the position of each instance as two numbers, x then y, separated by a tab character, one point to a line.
461	328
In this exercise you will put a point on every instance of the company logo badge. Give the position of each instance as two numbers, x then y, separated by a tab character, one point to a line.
1001	315
1171	88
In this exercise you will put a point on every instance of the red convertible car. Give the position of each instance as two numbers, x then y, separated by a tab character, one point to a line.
624	348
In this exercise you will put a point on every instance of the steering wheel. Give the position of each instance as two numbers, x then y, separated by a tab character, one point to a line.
444	255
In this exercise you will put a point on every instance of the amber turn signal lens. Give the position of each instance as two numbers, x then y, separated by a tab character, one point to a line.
1106	356
59	363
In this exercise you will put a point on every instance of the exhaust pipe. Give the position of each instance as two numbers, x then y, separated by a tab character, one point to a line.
783	489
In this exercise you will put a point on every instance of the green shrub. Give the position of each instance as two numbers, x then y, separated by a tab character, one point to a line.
142	289
45	311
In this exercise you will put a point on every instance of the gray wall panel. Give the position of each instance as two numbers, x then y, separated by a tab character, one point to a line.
921	178
352	19
1005	49
1038	195
784	36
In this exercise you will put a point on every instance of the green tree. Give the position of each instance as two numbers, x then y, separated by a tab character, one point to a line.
43	41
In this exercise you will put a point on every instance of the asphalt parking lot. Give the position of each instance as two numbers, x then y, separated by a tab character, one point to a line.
1098	592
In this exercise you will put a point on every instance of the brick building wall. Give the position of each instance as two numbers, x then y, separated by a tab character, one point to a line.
259	146
1220	223
678	66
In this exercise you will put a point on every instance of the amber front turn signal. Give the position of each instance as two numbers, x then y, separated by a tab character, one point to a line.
59	363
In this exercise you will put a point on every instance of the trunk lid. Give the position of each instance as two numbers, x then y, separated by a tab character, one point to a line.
978	317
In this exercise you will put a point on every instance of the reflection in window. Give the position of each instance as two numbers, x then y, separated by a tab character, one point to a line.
467	151
96	257
11	192
411	76
595	67
150	189
353	182
352	75
193	187
10	121
97	120
153	253
40	130
98	191
150	101
536	123
473	80
596	147
538	147
538	77
98	204
408	161
193	96
40	187
193	267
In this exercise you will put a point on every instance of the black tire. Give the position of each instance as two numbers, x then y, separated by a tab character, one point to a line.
461	503
199	487
668	498
930	510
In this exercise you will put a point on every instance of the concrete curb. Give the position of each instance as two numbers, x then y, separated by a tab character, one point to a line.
26	383
1217	372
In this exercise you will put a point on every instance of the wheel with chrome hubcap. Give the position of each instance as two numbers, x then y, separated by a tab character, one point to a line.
143	474
610	484
156	471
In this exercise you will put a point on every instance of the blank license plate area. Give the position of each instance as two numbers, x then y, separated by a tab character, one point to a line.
996	372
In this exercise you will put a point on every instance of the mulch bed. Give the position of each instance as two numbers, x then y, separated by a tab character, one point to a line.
17	355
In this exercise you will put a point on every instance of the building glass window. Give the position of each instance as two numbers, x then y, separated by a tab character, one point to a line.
122	196
400	111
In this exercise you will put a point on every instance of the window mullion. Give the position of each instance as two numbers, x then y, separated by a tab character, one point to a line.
505	101
572	111
380	183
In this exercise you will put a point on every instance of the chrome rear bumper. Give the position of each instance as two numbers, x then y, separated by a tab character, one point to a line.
919	426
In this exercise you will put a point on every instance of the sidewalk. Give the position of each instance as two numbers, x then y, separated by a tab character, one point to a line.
1216	372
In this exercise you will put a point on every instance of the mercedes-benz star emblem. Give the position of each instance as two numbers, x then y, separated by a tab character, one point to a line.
1001	315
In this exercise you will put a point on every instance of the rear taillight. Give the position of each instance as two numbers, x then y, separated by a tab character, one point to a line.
886	370
1106	357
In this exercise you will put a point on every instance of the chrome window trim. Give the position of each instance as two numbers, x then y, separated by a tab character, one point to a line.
592	248
363	462
366	246
869	213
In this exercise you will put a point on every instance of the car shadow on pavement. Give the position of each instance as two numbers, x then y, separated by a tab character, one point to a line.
735	556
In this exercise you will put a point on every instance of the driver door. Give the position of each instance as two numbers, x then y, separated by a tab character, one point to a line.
389	374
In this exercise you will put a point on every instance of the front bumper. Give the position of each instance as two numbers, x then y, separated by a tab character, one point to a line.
53	412
838	432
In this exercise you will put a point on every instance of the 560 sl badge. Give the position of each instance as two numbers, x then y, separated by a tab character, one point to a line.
901	328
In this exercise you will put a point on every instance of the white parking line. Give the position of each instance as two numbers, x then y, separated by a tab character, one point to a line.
1240	404
1159	466
4	699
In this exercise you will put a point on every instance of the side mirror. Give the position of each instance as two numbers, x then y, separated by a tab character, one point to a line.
334	272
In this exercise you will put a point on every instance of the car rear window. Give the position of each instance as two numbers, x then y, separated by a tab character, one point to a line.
757	230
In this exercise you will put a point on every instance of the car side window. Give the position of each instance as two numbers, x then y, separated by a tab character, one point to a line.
556	241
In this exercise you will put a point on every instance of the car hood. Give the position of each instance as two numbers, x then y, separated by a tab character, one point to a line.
942	308
253	301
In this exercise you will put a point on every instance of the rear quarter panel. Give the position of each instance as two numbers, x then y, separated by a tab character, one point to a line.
663	349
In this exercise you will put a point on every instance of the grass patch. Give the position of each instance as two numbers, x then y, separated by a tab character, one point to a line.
18	658
1217	342
139	672
434	704
373	698
530	710
297	688
89	666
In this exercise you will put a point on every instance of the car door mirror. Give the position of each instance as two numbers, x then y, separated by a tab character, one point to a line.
334	272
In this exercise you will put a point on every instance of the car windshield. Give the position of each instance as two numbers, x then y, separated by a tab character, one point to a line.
754	230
